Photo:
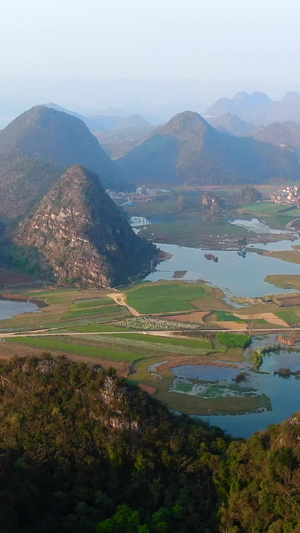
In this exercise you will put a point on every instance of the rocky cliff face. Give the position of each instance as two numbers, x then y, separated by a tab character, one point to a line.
78	232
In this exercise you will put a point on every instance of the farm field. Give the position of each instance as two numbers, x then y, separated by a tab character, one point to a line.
65	308
264	208
91	311
175	323
166	297
60	345
89	326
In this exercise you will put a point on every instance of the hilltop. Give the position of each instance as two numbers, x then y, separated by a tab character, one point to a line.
188	150
257	108
77	233
36	147
280	133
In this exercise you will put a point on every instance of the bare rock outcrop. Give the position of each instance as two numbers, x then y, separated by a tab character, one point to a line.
77	233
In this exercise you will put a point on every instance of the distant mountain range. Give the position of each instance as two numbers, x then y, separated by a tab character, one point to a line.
231	124
77	232
34	150
257	108
106	122
38	145
117	143
188	150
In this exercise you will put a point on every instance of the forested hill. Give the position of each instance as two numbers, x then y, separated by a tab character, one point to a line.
49	135
34	150
82	452
187	150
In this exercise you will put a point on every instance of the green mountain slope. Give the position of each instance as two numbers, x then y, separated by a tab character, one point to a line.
36	147
49	135
188	150
23	182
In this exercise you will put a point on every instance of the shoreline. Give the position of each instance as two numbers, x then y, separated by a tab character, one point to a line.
164	368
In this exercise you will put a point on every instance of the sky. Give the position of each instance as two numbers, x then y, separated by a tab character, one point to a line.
98	53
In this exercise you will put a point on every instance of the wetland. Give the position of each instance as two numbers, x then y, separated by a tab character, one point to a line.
171	319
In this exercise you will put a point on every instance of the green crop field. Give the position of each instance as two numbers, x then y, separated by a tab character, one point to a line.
54	296
264	208
47	343
226	316
289	316
92	302
191	343
166	297
94	328
144	348
90	311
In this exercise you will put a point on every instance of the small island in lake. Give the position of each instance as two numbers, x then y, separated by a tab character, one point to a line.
211	257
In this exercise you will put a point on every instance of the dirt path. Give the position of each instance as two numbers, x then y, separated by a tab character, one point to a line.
167	333
120	299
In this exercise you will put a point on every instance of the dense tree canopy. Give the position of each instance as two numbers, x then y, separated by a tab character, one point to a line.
80	451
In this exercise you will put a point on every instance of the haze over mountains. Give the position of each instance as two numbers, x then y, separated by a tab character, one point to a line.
257	108
280	133
117	143
106	122
34	150
39	144
231	124
188	150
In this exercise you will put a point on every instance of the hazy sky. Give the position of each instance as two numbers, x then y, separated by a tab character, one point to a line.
109	52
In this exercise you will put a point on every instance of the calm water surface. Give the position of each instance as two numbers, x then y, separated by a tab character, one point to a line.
8	309
239	276
284	393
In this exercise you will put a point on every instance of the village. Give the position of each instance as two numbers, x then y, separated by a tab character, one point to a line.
289	195
141	194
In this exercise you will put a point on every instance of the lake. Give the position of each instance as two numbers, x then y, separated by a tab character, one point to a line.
236	275
10	308
283	393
